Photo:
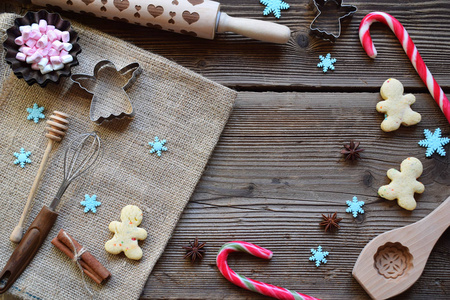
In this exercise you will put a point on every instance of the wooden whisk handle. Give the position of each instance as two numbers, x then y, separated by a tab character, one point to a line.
57	130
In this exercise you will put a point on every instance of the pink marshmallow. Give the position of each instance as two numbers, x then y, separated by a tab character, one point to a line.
50	27
19	41
21	56
65	36
30	43
42	42
43	51
35	34
26	33
67	46
63	53
55	60
58	33
22	28
57	45
42	25
35	58
53	52
52	35
35	66
27	50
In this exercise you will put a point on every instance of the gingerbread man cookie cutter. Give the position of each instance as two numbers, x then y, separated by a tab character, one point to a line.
108	88
328	22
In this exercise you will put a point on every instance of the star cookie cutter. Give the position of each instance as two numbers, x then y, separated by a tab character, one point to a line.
108	88
330	13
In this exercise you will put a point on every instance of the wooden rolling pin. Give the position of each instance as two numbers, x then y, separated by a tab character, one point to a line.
200	18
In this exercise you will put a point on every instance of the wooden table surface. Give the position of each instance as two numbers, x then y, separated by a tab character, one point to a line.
278	167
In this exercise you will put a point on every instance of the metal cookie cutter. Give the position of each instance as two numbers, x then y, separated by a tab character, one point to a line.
330	13
108	87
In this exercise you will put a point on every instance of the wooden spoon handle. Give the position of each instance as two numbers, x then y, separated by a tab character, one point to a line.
28	247
438	220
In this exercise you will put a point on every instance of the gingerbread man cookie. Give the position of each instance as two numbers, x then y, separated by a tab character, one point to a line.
126	233
404	183
396	106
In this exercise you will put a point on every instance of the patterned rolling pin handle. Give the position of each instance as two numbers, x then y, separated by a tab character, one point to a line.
410	49
250	284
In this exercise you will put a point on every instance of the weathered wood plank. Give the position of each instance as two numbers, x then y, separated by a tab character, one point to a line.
244	64
276	169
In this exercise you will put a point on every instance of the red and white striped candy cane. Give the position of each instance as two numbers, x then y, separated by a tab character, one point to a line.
411	51
250	284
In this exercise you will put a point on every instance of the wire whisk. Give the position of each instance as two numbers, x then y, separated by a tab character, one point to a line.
81	153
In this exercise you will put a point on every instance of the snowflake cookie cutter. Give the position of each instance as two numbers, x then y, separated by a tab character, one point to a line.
108	88
328	22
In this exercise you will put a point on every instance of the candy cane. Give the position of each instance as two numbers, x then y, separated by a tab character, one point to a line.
410	50
250	284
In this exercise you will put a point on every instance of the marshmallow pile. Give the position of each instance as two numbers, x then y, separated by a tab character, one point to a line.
43	46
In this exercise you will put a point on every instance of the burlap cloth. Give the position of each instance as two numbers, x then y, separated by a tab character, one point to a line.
170	101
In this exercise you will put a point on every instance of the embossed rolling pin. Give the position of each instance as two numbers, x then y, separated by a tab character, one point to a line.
200	18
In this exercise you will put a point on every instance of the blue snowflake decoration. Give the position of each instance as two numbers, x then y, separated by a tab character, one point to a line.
434	142
22	158
90	203
326	63
319	256
157	146
35	113
354	207
274	6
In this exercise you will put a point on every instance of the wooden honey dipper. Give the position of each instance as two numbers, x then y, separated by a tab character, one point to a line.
57	130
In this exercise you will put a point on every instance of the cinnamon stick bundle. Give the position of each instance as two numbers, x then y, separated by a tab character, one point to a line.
90	265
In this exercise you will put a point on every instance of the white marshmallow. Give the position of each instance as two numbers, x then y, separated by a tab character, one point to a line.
43	62
65	36
35	26
66	59
67	46
58	66
21	56
47	69
26	33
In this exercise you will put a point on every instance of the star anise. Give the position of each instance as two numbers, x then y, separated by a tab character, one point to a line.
194	250
330	222
351	151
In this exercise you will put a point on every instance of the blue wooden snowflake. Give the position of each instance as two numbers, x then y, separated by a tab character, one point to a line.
274	6
35	113
434	142
22	158
326	62
354	207
90	203
157	146
319	256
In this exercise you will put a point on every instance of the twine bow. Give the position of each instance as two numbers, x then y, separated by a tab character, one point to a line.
76	259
